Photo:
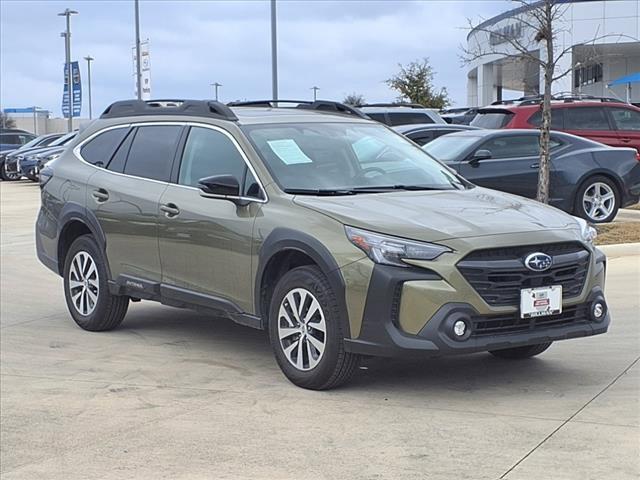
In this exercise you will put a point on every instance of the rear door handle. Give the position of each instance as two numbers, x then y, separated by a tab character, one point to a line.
170	210
100	195
626	140
534	165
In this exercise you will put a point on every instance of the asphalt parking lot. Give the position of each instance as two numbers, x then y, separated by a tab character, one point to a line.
174	394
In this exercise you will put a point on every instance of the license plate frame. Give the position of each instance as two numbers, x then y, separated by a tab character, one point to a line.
540	301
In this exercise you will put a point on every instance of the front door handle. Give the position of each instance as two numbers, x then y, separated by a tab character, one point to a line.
534	165
100	195
626	140
170	210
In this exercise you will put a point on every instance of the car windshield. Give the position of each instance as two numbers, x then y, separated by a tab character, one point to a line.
63	140
449	148
492	119
34	142
346	158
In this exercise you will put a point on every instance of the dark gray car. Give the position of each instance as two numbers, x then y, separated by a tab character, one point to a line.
588	178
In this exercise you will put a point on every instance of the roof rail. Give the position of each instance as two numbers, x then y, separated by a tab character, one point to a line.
396	104
321	105
196	108
559	97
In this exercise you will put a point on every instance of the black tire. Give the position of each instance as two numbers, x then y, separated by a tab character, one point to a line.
519	353
579	209
108	310
335	366
6	176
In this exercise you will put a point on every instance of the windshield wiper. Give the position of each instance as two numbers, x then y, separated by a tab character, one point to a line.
387	188
319	191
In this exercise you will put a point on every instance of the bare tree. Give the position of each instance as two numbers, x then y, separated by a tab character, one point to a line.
6	121
542	19
354	99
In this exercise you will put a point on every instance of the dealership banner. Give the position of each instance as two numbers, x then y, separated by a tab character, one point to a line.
76	90
145	71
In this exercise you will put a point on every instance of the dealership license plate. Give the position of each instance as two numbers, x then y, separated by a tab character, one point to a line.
540	302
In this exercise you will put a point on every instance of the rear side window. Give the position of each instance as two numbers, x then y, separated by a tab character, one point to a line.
492	119
99	150
152	151
15	139
557	119
207	153
408	118
378	117
586	118
626	119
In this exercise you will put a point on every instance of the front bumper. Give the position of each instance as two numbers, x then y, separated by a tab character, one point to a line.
412	311
381	337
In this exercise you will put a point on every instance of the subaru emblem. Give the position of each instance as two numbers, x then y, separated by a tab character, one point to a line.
538	262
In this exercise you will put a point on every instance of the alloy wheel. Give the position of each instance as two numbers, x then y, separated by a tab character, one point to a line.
9	175
302	329
84	286
599	201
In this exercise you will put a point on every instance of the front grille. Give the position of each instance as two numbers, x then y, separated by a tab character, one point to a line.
498	274
512	323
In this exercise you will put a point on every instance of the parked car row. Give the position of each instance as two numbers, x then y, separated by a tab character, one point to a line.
28	160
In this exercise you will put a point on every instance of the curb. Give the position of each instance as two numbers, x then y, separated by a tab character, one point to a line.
620	250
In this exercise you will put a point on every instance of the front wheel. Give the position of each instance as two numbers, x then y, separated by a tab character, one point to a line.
86	290
305	329
597	200
6	175
518	353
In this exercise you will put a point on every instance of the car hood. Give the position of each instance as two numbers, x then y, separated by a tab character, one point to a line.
440	215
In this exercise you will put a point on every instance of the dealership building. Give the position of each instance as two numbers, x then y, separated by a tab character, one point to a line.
601	38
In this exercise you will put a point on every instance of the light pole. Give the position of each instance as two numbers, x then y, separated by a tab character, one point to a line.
89	59
315	92
215	86
138	58
274	53
67	46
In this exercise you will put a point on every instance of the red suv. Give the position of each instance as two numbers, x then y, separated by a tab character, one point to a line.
606	121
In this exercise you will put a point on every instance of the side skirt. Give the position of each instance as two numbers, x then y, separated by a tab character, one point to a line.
182	298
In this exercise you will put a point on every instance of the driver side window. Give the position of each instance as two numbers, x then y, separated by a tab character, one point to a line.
209	152
512	146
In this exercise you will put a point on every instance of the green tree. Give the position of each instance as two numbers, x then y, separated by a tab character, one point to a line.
414	83
354	99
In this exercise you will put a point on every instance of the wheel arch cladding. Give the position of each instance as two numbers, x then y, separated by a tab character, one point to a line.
285	249
76	220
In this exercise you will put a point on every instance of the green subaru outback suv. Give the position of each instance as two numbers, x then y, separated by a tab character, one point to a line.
332	232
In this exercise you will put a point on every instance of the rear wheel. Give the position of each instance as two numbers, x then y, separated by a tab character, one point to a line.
598	200
305	329
86	291
521	352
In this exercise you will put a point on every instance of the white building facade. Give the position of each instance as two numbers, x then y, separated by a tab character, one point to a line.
601	39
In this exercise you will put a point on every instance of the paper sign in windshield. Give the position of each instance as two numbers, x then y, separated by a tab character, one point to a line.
288	151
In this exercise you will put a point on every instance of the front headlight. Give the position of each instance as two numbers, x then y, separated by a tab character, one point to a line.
389	250
587	232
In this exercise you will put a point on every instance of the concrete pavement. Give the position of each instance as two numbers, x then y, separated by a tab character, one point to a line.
174	394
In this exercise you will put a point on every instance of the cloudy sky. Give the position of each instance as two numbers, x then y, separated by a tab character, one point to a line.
342	47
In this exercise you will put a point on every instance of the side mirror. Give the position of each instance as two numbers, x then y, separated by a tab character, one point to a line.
220	185
480	155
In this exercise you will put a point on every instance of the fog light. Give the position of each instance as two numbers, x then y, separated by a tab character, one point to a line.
597	311
459	328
